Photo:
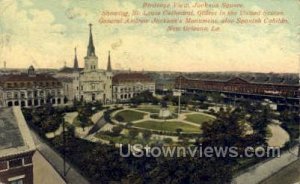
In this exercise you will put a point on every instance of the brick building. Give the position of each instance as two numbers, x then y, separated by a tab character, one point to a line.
277	89
30	89
16	148
128	85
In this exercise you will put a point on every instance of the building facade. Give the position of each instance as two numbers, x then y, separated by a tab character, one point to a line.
69	77
30	89
16	148
128	85
239	87
89	83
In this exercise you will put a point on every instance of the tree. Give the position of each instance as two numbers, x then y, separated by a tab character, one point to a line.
50	125
144	97
84	121
116	130
65	100
178	130
224	132
133	133
98	105
168	140
147	135
260	121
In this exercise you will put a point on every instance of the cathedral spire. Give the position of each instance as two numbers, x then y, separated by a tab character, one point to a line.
91	47
75	60
109	69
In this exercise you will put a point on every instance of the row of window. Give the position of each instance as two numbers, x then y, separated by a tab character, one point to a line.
29	84
134	88
127	96
243	89
36	102
93	87
15	163
31	94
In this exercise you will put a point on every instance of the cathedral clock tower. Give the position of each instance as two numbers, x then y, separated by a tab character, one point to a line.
90	60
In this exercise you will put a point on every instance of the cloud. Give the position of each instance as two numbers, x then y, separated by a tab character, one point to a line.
46	37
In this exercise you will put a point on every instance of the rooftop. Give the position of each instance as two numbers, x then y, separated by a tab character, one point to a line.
69	70
26	77
15	137
131	77
261	78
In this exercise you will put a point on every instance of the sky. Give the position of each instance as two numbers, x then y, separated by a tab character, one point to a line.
44	34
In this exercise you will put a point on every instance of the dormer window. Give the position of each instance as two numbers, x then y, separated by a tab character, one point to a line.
31	71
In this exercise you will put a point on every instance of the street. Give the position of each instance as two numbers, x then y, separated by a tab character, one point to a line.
72	176
288	175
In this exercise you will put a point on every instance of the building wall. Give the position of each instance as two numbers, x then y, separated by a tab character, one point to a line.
239	86
31	95
23	172
70	83
126	90
95	86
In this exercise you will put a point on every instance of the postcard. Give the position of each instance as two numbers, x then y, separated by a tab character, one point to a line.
149	91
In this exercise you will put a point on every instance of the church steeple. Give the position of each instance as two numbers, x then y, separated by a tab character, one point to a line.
75	60
91	47
109	69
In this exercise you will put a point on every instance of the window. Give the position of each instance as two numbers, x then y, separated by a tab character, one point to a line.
15	163
3	165
9	95
29	93
19	181
16	95
27	160
35	94
16	179
22	94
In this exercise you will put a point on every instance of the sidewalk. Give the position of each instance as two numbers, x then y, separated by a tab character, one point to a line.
72	177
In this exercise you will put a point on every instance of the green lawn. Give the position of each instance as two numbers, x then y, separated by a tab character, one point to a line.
121	139
157	107
198	118
129	116
151	110
167	126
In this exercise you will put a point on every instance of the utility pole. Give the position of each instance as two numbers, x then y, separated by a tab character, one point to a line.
299	106
64	151
179	96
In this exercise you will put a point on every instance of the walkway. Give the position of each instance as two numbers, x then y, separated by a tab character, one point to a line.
72	176
288	175
279	136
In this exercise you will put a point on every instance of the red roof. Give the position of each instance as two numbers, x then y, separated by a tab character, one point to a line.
26	78
131	77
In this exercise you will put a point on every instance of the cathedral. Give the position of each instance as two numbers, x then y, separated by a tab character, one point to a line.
89	83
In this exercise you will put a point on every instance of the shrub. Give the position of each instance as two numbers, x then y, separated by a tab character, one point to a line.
117	130
133	133
168	140
147	135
